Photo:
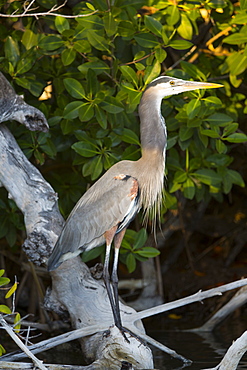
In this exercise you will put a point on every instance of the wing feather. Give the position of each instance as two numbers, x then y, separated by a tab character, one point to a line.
106	204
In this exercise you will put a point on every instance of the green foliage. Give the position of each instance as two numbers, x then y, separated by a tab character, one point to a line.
92	71
133	248
11	221
5	309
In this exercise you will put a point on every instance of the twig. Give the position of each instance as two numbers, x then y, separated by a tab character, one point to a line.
55	325
218	35
138	60
28	7
53	342
51	12
44	14
20	344
191	51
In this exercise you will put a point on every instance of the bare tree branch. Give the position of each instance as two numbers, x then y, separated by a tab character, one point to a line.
51	12
233	355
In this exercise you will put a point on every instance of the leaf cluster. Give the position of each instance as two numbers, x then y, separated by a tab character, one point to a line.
87	75
4	309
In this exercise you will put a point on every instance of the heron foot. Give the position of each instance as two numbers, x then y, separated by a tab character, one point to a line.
125	331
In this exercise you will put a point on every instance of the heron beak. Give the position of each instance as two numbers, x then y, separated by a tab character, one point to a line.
193	85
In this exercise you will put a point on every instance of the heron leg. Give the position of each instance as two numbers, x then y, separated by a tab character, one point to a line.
109	235
114	280
114	277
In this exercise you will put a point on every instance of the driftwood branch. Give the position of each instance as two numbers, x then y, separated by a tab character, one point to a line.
238	300
197	297
233	355
33	196
13	107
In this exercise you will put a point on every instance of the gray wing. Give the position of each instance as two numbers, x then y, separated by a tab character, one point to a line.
109	202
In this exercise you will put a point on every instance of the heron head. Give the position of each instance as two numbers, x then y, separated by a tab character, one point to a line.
165	86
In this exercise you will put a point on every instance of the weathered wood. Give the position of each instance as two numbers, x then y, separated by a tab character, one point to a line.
233	355
13	107
33	196
26	366
238	300
197	297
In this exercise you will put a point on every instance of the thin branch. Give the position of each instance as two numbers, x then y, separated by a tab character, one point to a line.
238	300
191	51
197	297
20	344
44	14
51	12
55	341
138	60
28	7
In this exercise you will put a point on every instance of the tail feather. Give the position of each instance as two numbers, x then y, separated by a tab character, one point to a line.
55	258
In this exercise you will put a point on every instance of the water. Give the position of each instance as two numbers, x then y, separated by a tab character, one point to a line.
206	350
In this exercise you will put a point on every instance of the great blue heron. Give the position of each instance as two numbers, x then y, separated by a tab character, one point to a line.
106	209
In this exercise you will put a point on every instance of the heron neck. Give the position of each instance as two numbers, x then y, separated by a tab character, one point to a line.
152	126
152	162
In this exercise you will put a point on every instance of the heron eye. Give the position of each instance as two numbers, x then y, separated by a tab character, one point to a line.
172	83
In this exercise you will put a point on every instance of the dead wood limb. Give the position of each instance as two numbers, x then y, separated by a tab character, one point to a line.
197	297
33	196
233	355
238	300
52	342
13	107
79	333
